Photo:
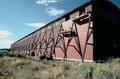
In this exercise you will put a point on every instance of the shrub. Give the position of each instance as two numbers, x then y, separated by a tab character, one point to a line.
115	61
102	71
85	71
20	56
19	62
65	65
116	72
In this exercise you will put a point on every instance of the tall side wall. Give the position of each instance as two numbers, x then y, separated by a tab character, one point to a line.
52	39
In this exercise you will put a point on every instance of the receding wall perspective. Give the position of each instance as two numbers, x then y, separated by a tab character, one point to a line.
78	35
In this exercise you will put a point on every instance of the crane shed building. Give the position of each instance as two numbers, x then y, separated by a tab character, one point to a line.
89	32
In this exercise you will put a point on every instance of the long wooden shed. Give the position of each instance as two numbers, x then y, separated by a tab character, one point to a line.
89	32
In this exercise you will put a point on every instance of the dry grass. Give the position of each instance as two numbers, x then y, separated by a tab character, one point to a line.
19	68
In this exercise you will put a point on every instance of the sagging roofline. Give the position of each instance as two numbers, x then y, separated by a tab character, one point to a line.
68	13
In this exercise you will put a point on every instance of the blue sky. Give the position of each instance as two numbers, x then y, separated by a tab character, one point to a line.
21	17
